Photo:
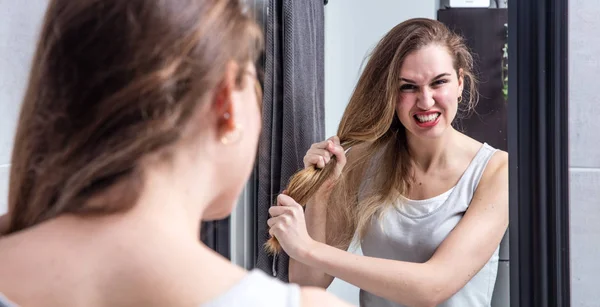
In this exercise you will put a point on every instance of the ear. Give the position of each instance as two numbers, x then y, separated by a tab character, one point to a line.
223	106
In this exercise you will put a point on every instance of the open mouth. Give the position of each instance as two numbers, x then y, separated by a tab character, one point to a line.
427	118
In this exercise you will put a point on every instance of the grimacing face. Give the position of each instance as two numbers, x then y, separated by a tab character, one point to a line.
429	91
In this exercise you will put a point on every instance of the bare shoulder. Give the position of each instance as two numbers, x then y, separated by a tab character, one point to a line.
498	165
313	297
494	180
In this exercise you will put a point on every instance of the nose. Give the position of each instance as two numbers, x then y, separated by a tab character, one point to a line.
425	100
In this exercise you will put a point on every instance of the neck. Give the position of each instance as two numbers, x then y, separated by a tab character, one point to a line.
426	152
166	213
168	205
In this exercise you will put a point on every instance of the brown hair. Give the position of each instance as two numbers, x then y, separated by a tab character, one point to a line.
370	125
112	82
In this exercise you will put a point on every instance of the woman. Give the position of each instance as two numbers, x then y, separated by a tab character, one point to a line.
428	203
130	134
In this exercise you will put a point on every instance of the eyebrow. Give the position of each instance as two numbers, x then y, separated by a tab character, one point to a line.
437	77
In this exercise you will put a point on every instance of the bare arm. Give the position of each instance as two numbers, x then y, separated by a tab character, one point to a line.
460	256
316	224
316	214
300	273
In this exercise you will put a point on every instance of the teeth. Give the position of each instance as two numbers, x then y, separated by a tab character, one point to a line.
427	118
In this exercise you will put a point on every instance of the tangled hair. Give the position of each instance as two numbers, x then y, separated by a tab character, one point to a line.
371	127
113	82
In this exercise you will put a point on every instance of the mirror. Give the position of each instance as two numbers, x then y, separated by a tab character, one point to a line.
485	31
347	45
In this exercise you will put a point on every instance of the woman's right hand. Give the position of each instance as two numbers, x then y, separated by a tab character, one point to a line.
320	154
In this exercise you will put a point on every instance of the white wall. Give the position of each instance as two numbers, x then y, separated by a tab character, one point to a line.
584	64
19	27
352	29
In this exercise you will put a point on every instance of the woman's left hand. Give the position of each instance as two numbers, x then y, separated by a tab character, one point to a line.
288	225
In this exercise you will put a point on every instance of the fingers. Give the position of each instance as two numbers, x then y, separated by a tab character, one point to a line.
274	223
325	153
317	161
317	157
280	210
319	145
279	220
320	153
279	223
284	200
335	139
287	218
338	151
285	206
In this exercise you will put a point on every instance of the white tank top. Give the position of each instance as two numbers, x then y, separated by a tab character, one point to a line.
256	289
413	229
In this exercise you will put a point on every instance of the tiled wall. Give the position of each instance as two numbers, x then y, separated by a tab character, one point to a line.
584	126
19	27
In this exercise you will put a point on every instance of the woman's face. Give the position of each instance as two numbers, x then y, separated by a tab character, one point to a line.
429	92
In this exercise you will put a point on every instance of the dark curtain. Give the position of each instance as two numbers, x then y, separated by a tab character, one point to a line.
293	107
215	234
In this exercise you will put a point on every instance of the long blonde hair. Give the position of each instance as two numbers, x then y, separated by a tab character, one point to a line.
371	125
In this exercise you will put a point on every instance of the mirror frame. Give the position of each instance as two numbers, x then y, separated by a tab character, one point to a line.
538	144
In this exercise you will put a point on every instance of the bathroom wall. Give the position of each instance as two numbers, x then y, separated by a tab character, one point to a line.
584	107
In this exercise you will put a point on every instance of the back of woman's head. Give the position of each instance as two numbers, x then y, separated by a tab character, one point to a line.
370	123
113	81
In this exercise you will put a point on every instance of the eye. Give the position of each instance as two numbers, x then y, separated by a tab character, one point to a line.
407	88
440	82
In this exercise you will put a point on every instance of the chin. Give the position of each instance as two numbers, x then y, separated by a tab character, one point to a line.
434	131
219	209
431	134
215	216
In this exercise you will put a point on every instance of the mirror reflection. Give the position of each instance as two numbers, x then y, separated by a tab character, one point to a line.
413	171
